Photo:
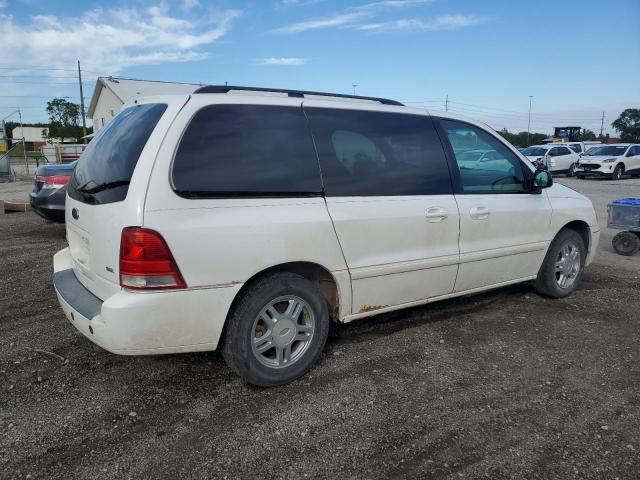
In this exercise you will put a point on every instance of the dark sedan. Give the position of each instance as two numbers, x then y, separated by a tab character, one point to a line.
50	190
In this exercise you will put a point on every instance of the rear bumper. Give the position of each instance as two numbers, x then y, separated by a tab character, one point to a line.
132	323
49	203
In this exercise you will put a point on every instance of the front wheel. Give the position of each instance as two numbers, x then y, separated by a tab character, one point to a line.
572	170
277	330
618	172
562	268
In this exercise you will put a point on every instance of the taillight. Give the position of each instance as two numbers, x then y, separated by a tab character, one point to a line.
146	262
54	181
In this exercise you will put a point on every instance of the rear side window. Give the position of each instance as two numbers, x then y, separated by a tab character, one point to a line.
230	150
377	153
106	166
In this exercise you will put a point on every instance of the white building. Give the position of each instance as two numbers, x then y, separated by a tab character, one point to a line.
33	136
112	93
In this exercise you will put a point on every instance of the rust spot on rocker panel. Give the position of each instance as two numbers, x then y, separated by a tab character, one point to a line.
371	308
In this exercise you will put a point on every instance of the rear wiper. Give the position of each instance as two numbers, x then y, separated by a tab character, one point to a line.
104	186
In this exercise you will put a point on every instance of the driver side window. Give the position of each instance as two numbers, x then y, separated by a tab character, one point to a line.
486	165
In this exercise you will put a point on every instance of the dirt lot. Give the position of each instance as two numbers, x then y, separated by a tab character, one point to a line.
500	385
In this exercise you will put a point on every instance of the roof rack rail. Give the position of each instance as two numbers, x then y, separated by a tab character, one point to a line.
291	93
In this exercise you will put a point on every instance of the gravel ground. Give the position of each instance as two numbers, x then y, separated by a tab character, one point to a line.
505	384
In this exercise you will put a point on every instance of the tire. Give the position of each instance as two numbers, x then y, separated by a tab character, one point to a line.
618	172
581	177
626	243
262	312
572	170
635	175
554	267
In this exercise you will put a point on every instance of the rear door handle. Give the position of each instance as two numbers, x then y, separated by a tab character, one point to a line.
479	212
436	214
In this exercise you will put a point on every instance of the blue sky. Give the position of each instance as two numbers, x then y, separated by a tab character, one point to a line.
577	58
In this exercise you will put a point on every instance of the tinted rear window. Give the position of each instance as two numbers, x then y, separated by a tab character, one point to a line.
107	164
377	153
230	150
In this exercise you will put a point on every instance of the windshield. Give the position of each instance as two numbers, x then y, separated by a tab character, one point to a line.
106	166
609	150
535	151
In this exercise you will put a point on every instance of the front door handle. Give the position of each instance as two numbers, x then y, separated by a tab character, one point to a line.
436	214
479	212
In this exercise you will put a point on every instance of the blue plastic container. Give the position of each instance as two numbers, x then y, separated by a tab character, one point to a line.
624	214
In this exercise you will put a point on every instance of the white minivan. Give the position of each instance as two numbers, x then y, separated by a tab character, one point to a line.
247	219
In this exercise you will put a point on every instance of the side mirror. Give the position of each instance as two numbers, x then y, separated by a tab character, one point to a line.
542	179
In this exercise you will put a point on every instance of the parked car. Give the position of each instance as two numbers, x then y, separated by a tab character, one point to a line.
246	221
581	147
50	190
613	161
555	158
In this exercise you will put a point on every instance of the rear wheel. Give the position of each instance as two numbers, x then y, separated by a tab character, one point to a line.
618	172
277	330
626	243
561	270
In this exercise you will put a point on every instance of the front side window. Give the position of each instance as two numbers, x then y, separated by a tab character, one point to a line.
378	153
554	152
246	150
501	173
535	151
564	151
576	147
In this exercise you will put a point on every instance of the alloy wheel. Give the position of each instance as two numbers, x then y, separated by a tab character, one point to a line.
567	266
282	331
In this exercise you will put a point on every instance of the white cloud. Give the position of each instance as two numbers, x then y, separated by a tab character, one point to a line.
349	18
188	5
108	41
392	4
299	3
319	23
282	61
444	22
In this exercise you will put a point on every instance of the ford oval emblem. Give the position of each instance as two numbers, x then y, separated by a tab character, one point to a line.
75	214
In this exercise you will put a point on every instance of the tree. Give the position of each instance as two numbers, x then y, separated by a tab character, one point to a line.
64	119
520	139
628	124
587	135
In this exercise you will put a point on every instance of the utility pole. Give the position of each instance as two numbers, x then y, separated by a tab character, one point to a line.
24	143
529	121
602	124
354	88
446	104
84	121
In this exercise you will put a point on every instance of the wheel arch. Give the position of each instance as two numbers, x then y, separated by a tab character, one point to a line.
581	228
316	273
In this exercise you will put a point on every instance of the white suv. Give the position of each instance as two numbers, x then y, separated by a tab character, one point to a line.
611	161
556	158
247	220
